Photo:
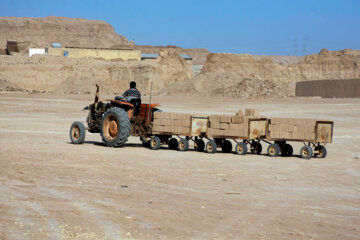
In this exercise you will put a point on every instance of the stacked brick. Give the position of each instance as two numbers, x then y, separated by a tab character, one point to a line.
230	125
172	123
292	128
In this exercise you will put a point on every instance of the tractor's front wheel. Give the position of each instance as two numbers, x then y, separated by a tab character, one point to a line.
77	133
115	127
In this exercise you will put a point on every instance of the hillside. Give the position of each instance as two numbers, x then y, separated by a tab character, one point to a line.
74	32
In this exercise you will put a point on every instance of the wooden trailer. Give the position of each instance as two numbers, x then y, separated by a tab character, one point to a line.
314	133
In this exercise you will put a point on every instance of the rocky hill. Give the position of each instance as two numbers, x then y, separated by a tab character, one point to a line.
74	32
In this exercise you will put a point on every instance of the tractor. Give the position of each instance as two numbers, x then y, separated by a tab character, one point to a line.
115	120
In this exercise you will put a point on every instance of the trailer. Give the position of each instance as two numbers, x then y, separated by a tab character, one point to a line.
315	134
246	131
176	130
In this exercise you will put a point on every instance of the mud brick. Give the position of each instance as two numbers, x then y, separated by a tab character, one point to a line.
240	113
284	128
251	112
309	136
214	124
225	126
234	126
210	131
158	115
225	119
178	122
187	123
274	128
237	119
284	135
214	118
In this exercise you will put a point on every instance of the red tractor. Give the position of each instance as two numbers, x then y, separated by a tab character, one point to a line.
115	121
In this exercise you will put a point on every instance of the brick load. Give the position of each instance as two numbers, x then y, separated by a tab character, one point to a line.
251	112
236	126
292	129
172	123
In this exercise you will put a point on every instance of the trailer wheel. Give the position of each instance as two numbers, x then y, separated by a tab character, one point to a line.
77	133
273	150
286	150
199	145
289	150
226	146
322	152
145	141
241	148
210	146
256	148
306	152
173	144
155	143
183	145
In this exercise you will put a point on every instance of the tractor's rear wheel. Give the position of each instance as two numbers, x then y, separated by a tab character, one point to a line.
77	133
115	127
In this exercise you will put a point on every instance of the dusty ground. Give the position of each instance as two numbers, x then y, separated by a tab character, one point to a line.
51	189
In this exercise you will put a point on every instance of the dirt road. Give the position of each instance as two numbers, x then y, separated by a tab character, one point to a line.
51	189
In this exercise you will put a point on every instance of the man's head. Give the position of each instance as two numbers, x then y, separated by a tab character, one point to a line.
132	84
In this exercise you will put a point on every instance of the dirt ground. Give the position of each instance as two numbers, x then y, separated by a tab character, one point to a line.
51	189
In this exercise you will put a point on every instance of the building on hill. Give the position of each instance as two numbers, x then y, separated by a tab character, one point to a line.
104	53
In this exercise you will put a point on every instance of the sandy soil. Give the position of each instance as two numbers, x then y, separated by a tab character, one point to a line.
51	189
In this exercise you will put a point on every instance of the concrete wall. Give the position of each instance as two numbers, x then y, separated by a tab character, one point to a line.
107	54
329	88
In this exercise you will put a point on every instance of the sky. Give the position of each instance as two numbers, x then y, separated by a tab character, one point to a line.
277	27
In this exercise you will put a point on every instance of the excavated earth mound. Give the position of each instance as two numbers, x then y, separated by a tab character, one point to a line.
67	75
230	85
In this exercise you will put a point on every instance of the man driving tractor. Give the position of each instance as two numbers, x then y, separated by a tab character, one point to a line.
133	96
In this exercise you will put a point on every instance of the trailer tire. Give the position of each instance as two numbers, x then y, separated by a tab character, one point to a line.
226	146
115	127
183	145
273	150
257	148
289	150
145	142
241	148
306	152
77	133
155	143
286	150
199	145
173	144
210	146
322	152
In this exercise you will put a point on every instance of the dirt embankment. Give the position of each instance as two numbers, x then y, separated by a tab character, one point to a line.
241	75
66	75
74	32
